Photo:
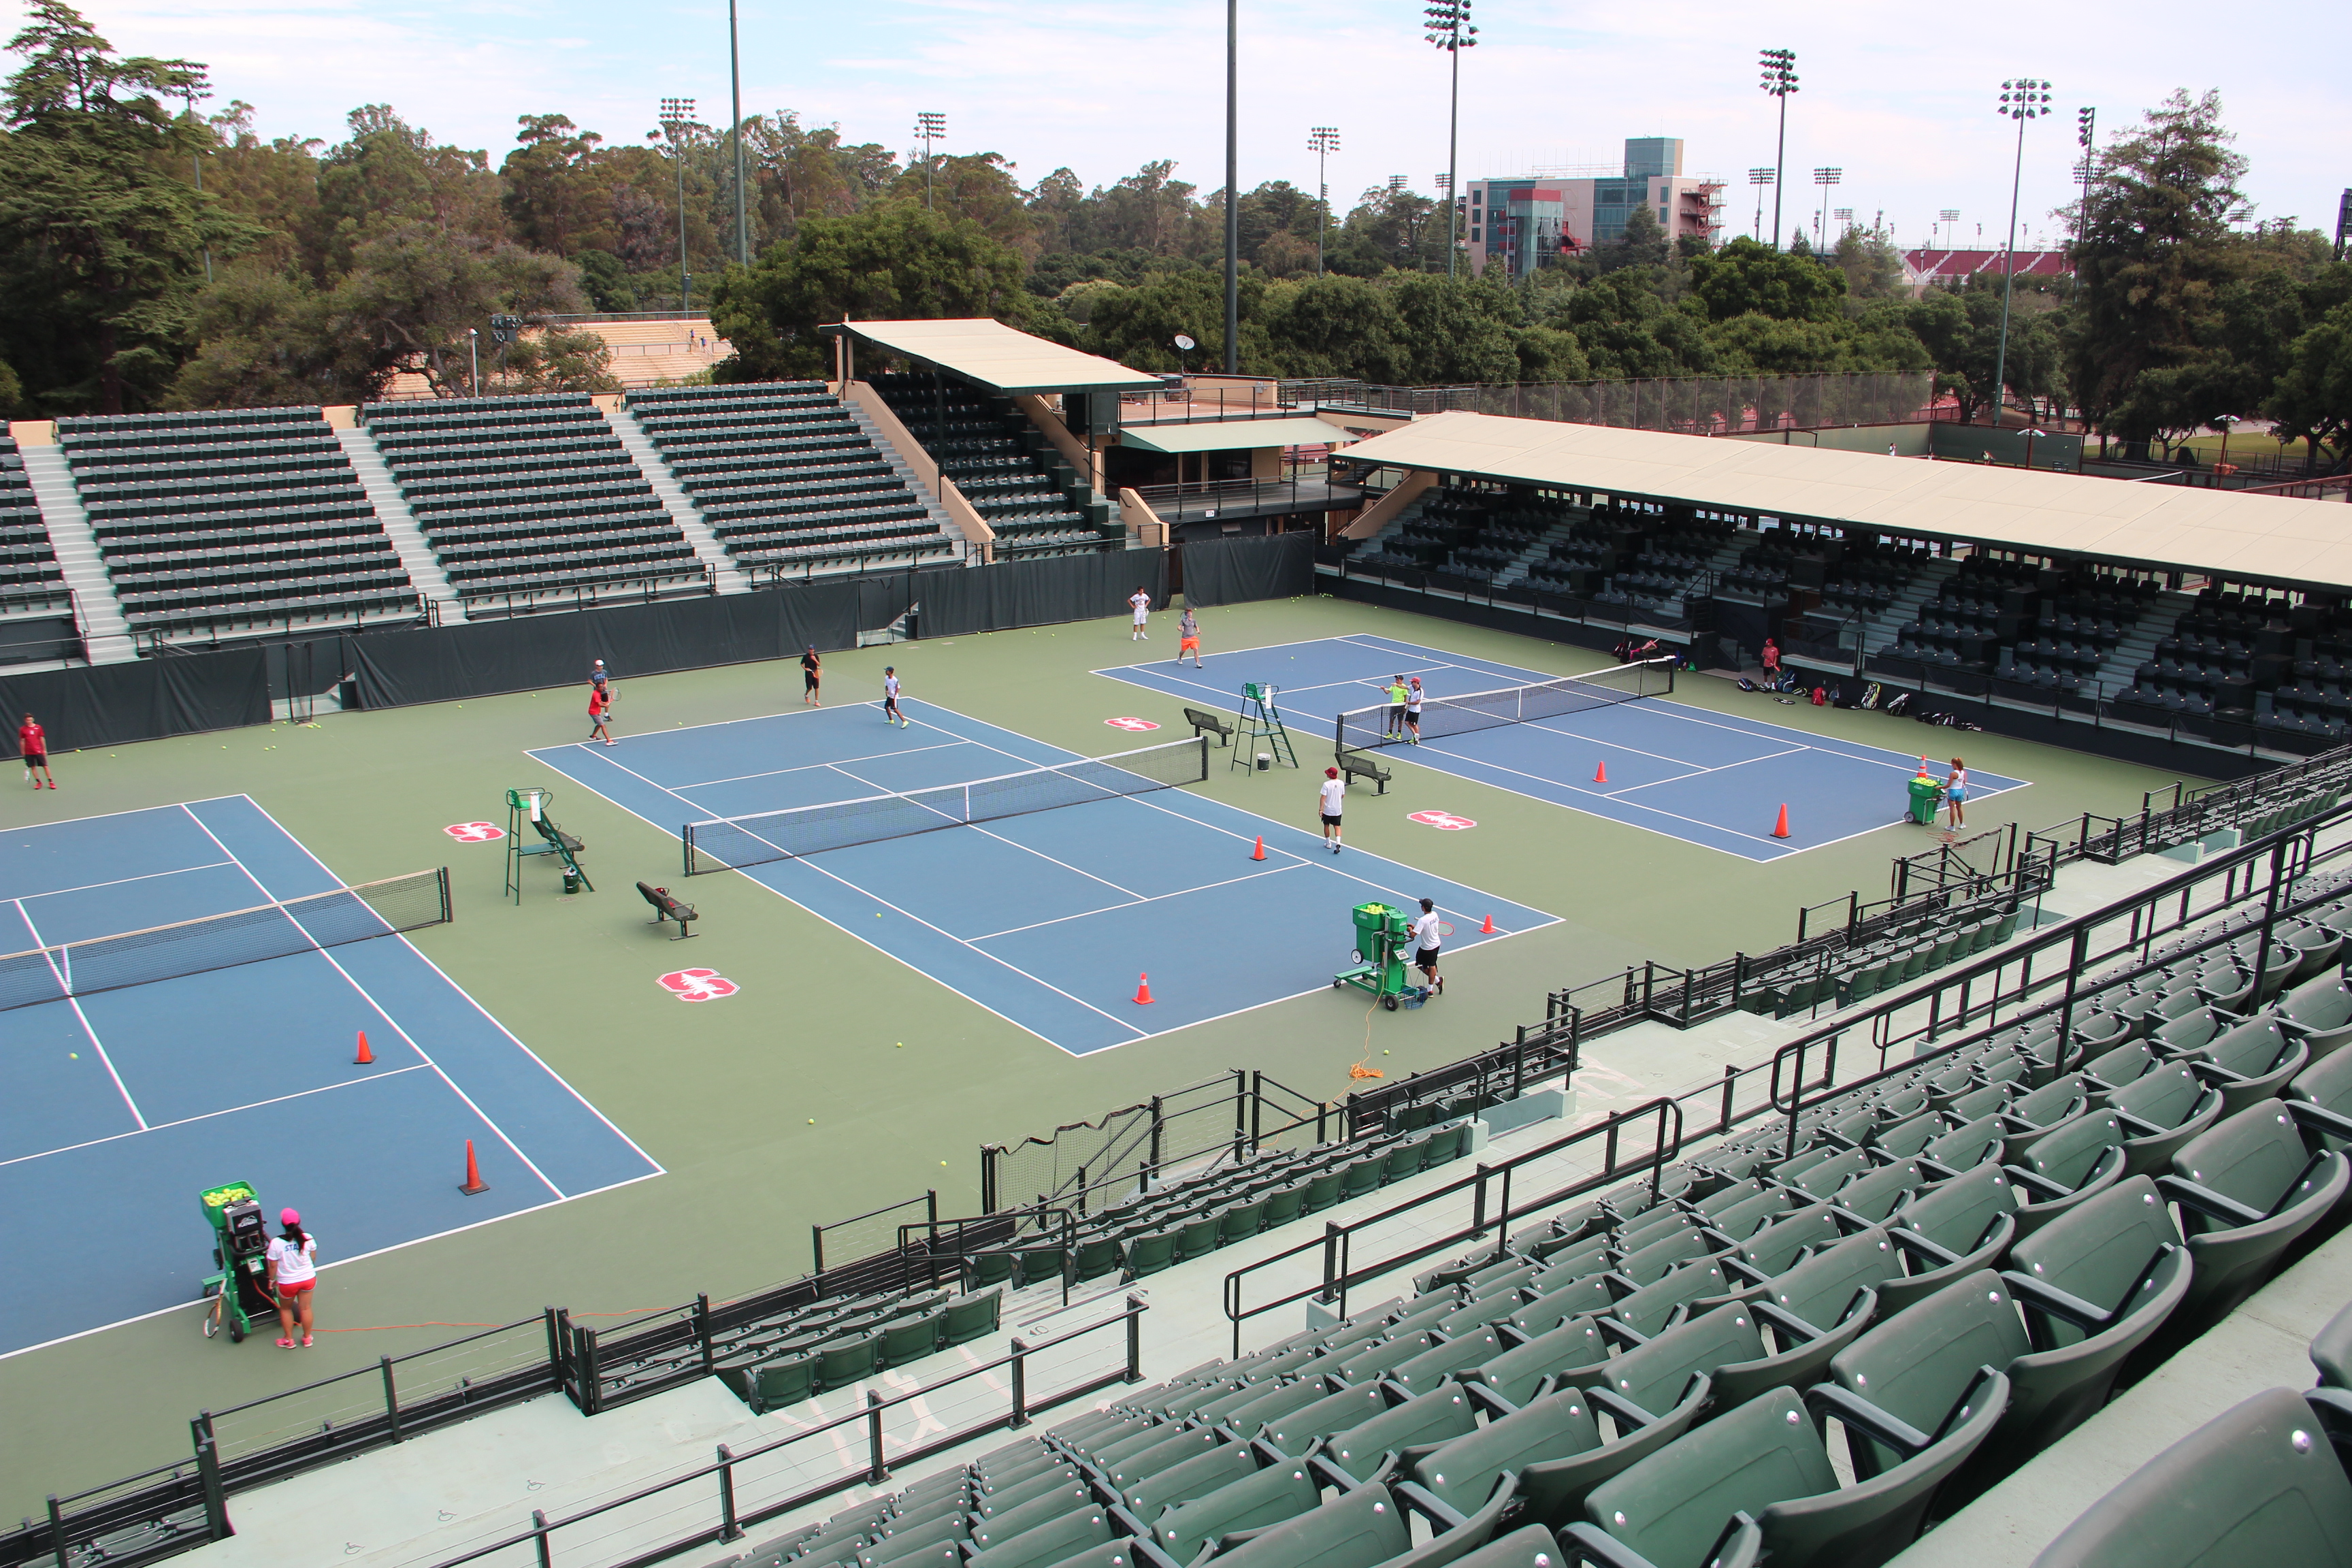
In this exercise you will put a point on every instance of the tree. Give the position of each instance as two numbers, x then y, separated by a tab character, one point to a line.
1137	327
2313	400
389	174
979	188
104	240
2153	257
1745	277
1871	266
1643	243
893	261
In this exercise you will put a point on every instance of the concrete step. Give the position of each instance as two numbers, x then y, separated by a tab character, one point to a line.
399	523
889	453
1539	551
106	634
731	578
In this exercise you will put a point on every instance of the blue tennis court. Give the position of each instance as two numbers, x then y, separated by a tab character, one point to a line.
1047	919
1716	780
118	1107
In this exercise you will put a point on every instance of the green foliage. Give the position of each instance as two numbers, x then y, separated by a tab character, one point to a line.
1746	278
893	262
2312	400
12	390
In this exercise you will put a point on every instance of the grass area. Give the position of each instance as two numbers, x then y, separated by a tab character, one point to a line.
839	1080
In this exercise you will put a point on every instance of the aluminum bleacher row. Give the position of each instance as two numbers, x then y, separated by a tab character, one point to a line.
1004	466
784	477
835	1343
1803	1345
216	520
29	575
525	496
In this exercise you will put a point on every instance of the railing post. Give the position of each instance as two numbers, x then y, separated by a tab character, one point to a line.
57	1532
1134	1338
1156	1125
1241	1112
877	1472
216	1525
1609	1146
702	1331
2077	955
592	1374
2270	915
1331	1263
1731	1078
988	1178
391	1397
554	1347
1503	1219
817	1252
538	1529
1478	1201
728	1529
1019	1386
1257	1107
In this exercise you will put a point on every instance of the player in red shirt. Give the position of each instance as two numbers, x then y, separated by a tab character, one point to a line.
34	742
600	708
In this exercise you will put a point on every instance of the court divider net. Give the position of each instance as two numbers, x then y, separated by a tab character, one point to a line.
732	842
326	920
1364	728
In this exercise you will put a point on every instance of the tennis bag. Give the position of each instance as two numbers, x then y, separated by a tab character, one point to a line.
1820	696
1747	685
1898	703
1870	694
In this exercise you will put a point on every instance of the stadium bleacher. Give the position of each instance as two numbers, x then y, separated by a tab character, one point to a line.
213	521
785	478
30	575
523	497
1035	503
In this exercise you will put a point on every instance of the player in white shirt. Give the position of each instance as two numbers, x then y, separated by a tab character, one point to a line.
890	695
1425	938
1335	795
1141	601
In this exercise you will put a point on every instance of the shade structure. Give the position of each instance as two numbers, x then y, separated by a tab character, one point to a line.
1232	435
990	353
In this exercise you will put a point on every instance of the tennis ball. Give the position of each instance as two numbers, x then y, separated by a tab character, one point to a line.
77	1056
812	1122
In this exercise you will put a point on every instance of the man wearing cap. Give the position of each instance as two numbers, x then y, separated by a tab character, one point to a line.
293	1272
1335	795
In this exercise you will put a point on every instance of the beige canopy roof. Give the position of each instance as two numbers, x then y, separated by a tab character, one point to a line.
993	354
1232	435
2267	538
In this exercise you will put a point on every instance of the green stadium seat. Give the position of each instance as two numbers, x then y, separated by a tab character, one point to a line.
933	1541
910	1339
784	1381
1059	1478
1295	1431
841	1363
1197	1236
1279	1492
1206	1470
1095	1258
2249	1062
2163	1110
1052	1542
1361	1529
1663	1302
985	1269
2331	1351
2260	1484
1951	1230
1362	1176
2318	1012
1150	1254
1423	1422
1811	1312
2246	1190
1464	1472
970	1316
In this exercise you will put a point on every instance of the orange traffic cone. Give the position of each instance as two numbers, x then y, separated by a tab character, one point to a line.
366	1057
1143	990
1488	929
1259	853
1601	774
474	1182
1780	828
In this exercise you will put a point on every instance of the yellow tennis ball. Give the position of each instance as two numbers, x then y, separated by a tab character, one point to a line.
812	1122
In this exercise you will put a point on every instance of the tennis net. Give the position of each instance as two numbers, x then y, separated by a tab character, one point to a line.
1366	727
732	842
225	941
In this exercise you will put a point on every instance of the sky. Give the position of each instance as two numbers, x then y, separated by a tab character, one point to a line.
1902	101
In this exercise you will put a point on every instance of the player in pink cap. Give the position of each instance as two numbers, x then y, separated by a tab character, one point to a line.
294	1270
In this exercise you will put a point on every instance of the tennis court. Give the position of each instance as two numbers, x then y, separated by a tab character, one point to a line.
123	1100
1046	917
1713	778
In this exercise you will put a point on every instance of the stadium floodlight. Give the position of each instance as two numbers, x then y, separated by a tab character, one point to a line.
928	127
735	81
1759	178
1446	24
1399	182
1233	187
1944	218
1826	178
2022	100
1779	68
677	117
1322	141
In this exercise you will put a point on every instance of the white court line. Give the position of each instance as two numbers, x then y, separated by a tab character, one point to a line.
74	1002
804	767
537	1060
1140	898
1065	865
119	881
487	1120
209	1115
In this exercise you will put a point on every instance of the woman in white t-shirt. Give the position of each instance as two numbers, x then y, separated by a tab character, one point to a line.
294	1272
1335	795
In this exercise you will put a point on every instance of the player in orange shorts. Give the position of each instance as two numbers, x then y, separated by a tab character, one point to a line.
1188	638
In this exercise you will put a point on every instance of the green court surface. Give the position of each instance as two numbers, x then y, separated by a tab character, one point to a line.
837	1079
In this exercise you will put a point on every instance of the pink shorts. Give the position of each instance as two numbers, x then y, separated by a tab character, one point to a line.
297	1290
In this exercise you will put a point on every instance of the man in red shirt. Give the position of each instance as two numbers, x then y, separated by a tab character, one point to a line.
34	742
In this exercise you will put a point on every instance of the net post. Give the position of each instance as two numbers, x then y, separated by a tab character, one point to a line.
449	912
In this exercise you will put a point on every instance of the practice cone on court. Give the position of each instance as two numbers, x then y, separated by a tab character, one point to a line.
1143	990
366	1057
1780	828
1259	853
474	1182
1601	774
1488	929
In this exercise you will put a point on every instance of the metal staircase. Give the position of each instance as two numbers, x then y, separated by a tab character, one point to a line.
107	634
400	525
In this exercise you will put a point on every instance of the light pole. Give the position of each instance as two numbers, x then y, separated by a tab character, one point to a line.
2086	135
735	74
2021	99
676	114
1322	141
1780	68
1826	178
928	127
1759	178
1233	188
196	157
473	363
1844	216
1448	28
1948	216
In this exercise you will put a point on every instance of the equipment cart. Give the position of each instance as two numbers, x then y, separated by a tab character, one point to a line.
239	1289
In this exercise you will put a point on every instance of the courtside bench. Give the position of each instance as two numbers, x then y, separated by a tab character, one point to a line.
1356	765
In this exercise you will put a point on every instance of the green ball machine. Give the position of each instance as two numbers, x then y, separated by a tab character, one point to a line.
238	1293
1383	934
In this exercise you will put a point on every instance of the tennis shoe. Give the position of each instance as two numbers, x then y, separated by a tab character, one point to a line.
286	1344
306	1341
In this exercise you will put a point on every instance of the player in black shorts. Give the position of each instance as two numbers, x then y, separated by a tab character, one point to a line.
812	678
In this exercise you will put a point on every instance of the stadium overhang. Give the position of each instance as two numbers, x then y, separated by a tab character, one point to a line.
990	353
2271	540
1232	435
